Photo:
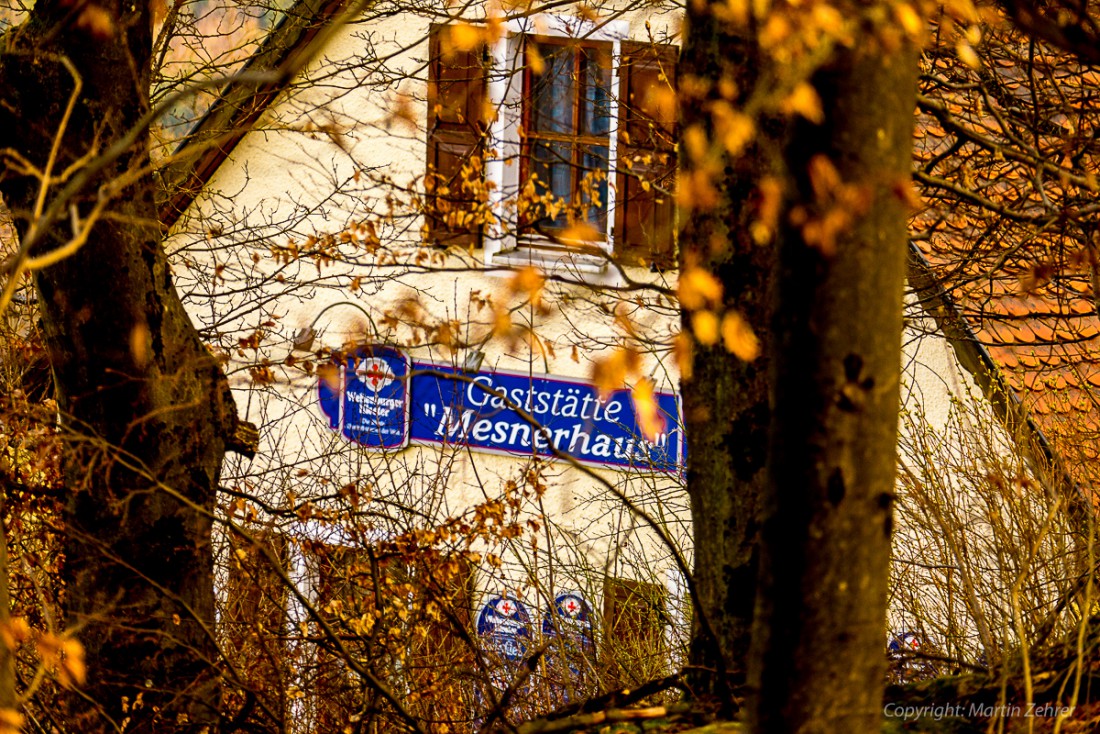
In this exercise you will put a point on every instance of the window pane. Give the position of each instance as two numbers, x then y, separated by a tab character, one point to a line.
596	107
553	169
593	187
554	92
568	122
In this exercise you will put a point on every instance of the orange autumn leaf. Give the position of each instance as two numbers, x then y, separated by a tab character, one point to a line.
502	321
650	421
97	21
73	669
739	338
66	656
661	103
705	326
528	281
14	633
698	288
140	344
804	101
609	373
683	350
330	374
696	143
11	721
909	20
967	54
738	133
535	62
463	37
579	233
494	27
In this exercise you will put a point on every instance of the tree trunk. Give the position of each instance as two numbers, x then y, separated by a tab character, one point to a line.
817	660
726	403
144	404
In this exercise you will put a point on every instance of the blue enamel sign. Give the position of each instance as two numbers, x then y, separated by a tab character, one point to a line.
383	401
368	402
571	618
905	642
570	615
504	623
478	410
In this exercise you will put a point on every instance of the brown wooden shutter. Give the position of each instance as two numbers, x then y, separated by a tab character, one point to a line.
646	167
634	620
441	662
253	620
456	201
353	582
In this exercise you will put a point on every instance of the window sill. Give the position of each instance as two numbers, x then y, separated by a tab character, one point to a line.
551	260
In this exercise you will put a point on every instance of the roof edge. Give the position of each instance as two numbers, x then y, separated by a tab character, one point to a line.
938	304
285	51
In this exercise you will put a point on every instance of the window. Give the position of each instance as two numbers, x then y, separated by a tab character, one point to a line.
440	667
582	131
567	125
358	595
405	618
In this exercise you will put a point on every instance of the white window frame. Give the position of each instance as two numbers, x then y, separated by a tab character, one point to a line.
503	167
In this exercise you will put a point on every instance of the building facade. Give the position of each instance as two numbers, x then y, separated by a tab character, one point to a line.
440	272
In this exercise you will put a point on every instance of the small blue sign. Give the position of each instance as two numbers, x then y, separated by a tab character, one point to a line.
478	410
504	623
571	618
369	400
904	642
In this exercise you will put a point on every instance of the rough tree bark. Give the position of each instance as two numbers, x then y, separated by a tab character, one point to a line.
817	660
726	404
146	407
